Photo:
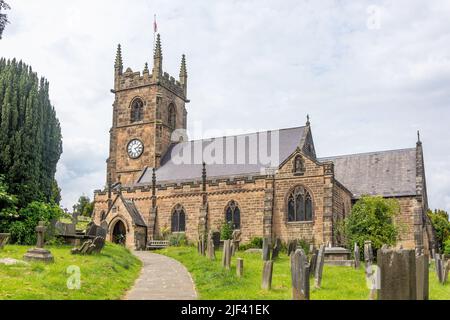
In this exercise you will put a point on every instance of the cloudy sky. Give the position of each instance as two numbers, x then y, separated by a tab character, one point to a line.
369	73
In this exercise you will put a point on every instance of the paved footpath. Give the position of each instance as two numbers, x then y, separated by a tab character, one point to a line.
162	278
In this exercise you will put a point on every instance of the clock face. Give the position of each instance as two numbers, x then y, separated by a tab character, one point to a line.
135	149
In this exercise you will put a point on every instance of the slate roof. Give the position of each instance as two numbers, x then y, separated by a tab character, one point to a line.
172	171
133	211
386	173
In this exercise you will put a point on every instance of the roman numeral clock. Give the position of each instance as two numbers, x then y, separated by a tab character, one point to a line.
135	148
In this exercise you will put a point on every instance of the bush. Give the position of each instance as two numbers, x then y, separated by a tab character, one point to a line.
178	240
303	245
372	218
255	243
447	247
441	225
226	231
22	228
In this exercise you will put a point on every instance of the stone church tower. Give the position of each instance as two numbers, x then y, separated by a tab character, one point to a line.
147	109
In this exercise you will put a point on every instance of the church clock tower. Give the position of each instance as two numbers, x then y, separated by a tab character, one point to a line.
147	109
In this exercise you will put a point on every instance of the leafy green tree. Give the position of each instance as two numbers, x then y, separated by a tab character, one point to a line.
84	206
372	218
441	224
447	246
30	134
23	228
226	231
3	16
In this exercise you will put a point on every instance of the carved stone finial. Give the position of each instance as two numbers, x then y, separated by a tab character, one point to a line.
146	68
418	137
119	63
308	123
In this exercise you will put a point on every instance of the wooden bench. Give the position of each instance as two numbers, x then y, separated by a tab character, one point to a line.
157	244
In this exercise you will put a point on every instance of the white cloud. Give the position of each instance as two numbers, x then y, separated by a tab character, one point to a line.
259	64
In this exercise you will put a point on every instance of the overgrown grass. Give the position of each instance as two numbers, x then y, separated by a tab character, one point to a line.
214	283
104	276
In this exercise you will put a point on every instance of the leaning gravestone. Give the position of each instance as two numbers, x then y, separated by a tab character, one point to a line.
104	226
357	256
292	246
300	275
99	244
397	274
422	277
319	267
39	253
267	275
313	262
276	249
226	256
239	267
4	238
266	249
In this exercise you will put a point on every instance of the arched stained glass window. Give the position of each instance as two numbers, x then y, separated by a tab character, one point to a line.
178	219
299	205
233	215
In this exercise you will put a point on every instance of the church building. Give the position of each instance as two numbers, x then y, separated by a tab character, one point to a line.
266	184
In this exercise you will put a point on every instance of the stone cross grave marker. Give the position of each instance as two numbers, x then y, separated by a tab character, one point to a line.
266	249
422	277
240	267
357	256
226	257
319	267
276	249
300	275
39	253
267	275
397	274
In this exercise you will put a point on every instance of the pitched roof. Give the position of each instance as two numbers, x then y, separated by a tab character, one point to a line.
133	211
386	173
172	170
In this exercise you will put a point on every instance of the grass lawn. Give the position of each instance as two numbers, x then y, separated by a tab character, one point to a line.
106	276
214	283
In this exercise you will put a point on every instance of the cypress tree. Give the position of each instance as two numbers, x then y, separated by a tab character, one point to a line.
30	134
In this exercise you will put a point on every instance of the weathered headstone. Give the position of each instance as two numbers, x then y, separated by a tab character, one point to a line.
292	246
397	274
4	238
446	271
319	267
300	275
267	275
211	250
82	250
441	267
266	249
39	253
422	276
236	239
91	229
313	262
276	249
357	256
104	226
368	252
99	244
240	267
226	256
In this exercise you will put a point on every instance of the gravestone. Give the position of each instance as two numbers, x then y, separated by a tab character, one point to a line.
4	238
447	271
292	246
266	249
39	253
211	251
276	249
368	252
226	256
422	277
104	226
441	267
91	229
99	244
357	256
83	249
201	245
267	275
319	267
240	267
101	232
300	275
216	239
90	246
397	274
313	263
236	239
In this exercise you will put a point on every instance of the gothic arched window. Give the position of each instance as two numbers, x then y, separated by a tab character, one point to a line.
172	119
137	110
233	215
299	165
178	219
299	205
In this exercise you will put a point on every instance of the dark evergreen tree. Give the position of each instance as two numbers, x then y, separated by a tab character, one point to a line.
30	134
3	16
